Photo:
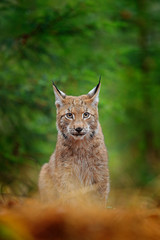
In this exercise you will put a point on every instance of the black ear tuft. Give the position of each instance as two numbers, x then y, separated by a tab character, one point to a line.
56	87
96	88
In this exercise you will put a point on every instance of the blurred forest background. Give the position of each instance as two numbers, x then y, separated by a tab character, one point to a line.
73	42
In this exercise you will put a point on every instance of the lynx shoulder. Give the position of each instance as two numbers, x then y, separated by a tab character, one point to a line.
80	158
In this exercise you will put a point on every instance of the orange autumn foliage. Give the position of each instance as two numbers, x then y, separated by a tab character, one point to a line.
31	220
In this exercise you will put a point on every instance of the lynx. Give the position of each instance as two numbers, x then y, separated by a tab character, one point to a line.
80	158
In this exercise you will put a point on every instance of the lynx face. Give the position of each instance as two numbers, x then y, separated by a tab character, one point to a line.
77	117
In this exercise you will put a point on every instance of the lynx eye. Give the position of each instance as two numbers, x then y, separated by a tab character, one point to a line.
86	115
69	115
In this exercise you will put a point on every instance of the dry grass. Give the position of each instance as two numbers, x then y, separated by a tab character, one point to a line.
31	220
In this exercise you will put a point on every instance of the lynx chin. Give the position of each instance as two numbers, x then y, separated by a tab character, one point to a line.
80	159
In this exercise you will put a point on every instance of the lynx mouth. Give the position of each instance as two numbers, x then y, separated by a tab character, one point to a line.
78	134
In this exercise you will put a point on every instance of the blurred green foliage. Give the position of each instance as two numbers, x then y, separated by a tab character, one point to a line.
72	43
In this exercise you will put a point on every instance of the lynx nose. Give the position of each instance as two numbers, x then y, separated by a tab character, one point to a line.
79	129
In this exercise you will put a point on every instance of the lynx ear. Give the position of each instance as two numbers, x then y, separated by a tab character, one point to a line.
59	96
94	93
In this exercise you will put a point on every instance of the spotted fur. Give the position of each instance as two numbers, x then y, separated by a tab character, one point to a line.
80	158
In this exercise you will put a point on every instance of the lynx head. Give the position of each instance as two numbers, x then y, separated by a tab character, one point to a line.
77	117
